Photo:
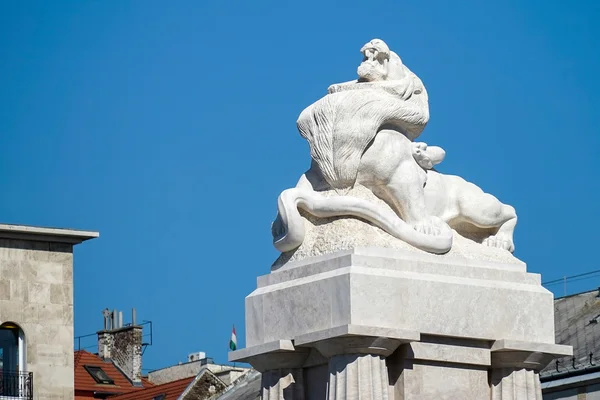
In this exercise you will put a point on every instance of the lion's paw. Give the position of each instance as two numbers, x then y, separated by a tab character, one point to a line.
499	242
431	226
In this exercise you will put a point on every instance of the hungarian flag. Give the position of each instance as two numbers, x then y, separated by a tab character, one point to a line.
233	340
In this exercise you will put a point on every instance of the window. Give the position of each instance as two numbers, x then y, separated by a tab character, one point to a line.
12	343
99	375
159	397
14	380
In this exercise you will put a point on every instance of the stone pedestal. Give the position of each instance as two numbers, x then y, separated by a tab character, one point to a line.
379	324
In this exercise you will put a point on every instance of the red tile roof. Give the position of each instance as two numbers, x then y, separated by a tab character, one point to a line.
85	383
171	390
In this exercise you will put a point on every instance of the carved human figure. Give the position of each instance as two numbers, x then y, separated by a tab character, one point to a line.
362	132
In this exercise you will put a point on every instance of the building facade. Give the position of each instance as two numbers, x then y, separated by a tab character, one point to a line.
577	323
36	311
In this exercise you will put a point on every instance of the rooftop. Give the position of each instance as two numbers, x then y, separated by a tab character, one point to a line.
84	381
73	236
576	323
166	391
246	388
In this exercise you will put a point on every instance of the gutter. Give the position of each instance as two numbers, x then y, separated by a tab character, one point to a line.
568	380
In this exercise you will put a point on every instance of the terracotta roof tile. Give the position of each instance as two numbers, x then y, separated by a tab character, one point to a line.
85	382
146	382
171	390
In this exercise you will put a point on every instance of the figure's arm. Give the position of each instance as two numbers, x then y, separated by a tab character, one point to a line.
338	87
404	88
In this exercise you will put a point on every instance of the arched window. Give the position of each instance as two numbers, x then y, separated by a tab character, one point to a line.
14	380
12	348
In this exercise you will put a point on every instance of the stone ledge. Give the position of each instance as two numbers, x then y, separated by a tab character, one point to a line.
271	347
356	339
24	232
557	350
274	355
529	355
404	336
401	261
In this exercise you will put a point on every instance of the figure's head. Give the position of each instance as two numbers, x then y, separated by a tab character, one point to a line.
379	63
374	65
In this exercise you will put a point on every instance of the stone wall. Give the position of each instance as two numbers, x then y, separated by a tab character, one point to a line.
36	293
204	387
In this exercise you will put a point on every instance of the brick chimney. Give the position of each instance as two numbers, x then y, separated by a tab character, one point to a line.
122	345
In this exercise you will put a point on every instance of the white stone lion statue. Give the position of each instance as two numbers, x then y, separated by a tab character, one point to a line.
362	133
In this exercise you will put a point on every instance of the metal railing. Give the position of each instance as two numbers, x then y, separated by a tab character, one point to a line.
16	384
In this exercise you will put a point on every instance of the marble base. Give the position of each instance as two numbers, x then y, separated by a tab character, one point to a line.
377	324
400	290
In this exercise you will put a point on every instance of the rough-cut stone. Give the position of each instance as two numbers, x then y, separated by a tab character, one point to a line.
124	347
39	292
61	293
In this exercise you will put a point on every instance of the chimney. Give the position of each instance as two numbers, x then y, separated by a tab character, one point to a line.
122	345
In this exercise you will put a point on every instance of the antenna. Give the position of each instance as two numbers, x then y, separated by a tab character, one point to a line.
106	315
115	319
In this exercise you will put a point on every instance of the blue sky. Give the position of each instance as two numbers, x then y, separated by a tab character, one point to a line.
170	128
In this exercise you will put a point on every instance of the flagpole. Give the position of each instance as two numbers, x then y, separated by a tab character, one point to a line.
234	347
235	343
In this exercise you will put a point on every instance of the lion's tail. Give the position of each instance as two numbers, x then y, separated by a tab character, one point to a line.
289	231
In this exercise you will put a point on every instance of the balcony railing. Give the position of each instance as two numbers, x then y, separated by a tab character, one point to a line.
16	385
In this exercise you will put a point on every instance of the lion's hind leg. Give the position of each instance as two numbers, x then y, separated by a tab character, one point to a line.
486	211
504	237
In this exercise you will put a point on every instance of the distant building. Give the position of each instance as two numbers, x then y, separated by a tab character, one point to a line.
195	364
203	386
36	311
577	323
115	372
248	387
96	378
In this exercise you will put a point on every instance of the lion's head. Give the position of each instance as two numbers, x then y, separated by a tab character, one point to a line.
379	63
427	156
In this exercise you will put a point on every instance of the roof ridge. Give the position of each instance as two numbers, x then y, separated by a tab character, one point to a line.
204	370
155	388
176	380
